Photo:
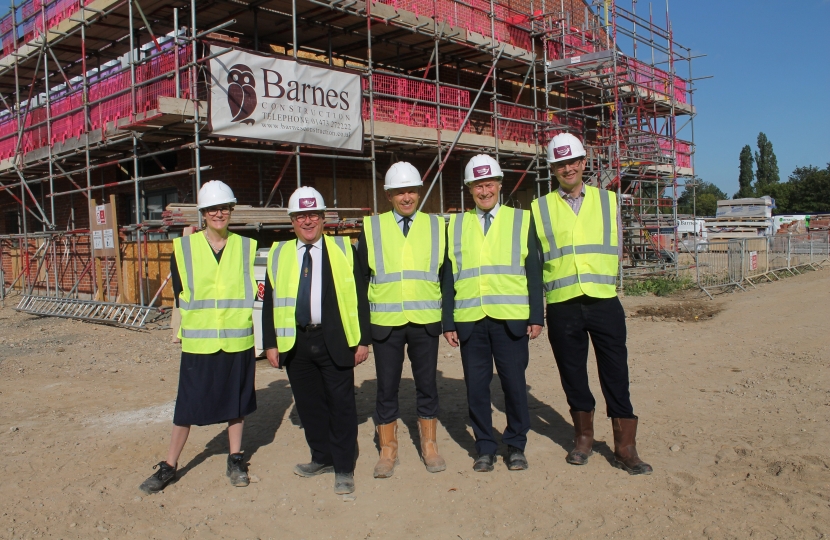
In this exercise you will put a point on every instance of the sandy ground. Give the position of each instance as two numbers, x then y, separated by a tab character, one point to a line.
734	414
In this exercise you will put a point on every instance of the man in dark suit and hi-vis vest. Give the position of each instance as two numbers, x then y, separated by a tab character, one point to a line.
315	320
492	286
580	235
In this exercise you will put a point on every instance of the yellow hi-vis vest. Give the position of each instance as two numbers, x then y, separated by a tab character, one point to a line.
404	286
284	274
579	253
217	300
489	271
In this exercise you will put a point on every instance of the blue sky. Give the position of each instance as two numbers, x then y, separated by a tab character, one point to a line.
771	66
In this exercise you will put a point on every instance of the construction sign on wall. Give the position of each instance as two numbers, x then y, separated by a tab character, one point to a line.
278	99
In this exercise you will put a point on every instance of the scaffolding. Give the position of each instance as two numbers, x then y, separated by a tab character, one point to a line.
103	97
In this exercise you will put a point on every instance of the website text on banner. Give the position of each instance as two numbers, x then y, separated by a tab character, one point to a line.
276	99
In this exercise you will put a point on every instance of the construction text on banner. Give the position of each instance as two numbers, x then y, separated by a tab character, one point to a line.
277	99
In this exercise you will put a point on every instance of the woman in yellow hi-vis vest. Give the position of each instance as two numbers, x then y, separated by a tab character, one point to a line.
580	236
213	283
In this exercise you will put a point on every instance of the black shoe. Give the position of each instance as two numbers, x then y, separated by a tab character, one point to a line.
515	459
344	483
312	469
238	470
159	479
484	463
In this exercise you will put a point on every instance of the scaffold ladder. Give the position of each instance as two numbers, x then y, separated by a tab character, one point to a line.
126	315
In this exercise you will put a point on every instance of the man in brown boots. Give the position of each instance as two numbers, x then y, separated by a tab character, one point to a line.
400	254
580	234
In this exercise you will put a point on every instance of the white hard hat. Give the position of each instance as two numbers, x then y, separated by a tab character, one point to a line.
214	193
306	199
480	167
564	146
402	174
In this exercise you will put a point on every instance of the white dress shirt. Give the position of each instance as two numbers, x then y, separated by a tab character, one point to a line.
481	213
399	219
316	277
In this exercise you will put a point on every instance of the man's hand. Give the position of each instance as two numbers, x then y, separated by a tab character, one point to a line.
533	330
273	356
452	338
361	354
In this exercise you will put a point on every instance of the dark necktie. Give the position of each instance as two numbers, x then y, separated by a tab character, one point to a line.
303	311
487	218
406	221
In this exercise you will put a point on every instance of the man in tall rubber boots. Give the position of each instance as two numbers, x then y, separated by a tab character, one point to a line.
315	323
400	254
493	305
581	237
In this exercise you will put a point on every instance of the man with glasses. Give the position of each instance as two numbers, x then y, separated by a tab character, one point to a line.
581	237
315	321
492	287
400	255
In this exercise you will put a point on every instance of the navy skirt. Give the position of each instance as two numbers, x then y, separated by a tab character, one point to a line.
215	388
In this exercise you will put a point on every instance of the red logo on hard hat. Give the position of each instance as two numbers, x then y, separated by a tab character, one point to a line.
309	202
483	170
562	151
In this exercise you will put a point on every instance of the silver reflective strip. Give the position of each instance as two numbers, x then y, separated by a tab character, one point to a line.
236	333
188	263
469	303
465	274
504	299
456	240
547	227
274	262
341	243
246	272
200	334
421	276
374	224
585	249
434	241
515	270
517	238
196	304
585	278
223	304
284	302
285	332
379	279
605	203
385	308
417	305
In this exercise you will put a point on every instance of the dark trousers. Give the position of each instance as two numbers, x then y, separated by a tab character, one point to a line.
324	395
569	325
422	350
492	341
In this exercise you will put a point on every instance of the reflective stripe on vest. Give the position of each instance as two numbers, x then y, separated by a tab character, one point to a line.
284	275
579	258
211	322
404	285
489	272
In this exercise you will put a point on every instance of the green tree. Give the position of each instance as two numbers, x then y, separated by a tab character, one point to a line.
809	190
707	195
766	172
745	175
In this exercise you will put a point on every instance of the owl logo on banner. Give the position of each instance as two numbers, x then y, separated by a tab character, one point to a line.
242	98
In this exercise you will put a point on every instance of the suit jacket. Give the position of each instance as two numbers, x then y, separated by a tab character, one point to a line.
535	293
379	333
333	334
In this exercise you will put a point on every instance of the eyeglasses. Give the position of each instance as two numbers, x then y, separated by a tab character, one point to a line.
215	211
312	217
563	164
485	186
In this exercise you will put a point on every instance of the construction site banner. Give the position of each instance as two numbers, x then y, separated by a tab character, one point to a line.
277	99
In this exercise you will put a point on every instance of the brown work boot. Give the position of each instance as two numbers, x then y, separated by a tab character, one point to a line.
584	437
428	428
625	447
388	439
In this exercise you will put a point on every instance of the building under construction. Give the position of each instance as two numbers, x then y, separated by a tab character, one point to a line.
107	101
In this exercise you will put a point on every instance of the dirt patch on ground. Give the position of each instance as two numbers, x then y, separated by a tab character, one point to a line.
681	311
733	418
